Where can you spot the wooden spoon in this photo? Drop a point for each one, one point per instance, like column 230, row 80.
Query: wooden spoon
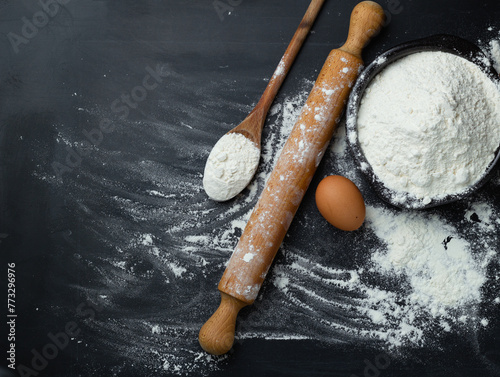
column 252, row 125
column 290, row 179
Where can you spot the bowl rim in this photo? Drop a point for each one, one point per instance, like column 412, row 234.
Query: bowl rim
column 440, row 42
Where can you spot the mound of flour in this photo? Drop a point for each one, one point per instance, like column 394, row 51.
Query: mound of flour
column 429, row 125
column 230, row 166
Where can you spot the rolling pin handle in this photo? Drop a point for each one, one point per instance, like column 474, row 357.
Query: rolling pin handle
column 217, row 334
column 367, row 19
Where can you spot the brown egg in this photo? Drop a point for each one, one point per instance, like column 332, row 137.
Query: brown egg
column 340, row 202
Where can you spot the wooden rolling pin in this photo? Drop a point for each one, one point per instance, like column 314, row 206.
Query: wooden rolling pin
column 289, row 179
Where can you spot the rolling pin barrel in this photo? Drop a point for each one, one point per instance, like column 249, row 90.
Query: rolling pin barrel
column 289, row 179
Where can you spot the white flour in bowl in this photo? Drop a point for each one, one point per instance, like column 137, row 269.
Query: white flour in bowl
column 429, row 125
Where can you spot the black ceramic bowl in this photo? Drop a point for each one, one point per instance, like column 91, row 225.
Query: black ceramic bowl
column 445, row 43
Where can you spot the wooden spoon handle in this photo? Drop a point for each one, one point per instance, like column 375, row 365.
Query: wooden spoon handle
column 292, row 174
column 251, row 127
column 289, row 56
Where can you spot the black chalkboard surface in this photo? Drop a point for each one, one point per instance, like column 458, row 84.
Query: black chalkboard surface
column 111, row 251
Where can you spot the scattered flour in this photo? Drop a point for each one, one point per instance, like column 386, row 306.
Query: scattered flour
column 426, row 275
column 483, row 214
column 429, row 126
column 160, row 232
column 280, row 70
column 438, row 263
column 495, row 54
column 434, row 281
column 230, row 166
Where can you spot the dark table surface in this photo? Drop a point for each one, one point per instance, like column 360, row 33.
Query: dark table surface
column 117, row 249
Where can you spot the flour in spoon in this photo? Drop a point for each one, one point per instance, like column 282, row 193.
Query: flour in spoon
column 230, row 166
column 429, row 125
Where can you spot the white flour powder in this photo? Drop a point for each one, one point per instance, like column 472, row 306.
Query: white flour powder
column 495, row 54
column 230, row 166
column 160, row 229
column 436, row 261
column 429, row 125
